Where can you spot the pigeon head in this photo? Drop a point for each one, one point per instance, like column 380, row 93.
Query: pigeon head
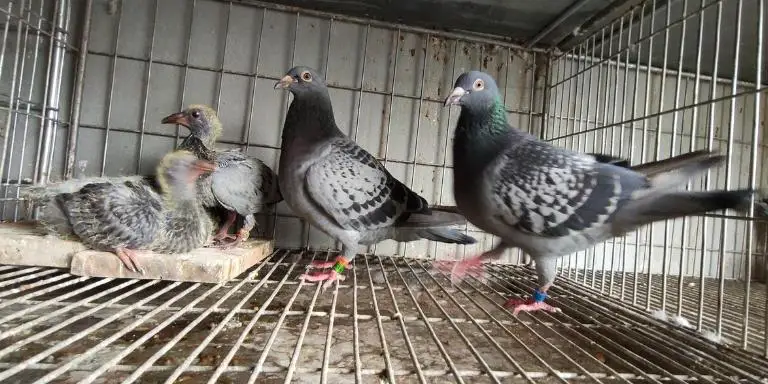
column 302, row 80
column 178, row 171
column 474, row 90
column 200, row 119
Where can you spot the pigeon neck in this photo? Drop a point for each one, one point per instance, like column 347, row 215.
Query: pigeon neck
column 197, row 146
column 481, row 134
column 310, row 117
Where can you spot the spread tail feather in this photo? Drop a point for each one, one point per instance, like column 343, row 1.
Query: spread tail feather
column 678, row 204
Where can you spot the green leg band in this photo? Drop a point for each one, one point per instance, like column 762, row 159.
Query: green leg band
column 339, row 268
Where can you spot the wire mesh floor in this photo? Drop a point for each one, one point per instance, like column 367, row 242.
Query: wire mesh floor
column 414, row 326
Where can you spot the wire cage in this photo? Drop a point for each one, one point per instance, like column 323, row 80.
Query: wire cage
column 84, row 84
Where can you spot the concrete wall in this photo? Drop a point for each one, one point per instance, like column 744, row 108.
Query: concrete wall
column 144, row 63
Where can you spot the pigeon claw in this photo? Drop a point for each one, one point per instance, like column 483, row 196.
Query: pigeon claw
column 328, row 277
column 128, row 258
column 472, row 266
column 529, row 305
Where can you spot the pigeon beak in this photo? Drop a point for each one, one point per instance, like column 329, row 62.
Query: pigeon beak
column 285, row 82
column 455, row 96
column 179, row 118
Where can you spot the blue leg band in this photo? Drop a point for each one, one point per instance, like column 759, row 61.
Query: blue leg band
column 539, row 296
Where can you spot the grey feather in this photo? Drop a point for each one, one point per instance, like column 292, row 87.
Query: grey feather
column 342, row 189
column 551, row 201
column 131, row 212
column 240, row 183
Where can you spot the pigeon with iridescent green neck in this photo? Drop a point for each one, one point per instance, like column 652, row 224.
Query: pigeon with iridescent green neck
column 241, row 184
column 550, row 201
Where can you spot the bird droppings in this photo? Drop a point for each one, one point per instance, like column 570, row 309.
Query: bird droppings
column 712, row 336
column 681, row 321
column 659, row 315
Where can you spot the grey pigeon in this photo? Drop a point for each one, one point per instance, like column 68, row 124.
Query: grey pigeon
column 342, row 189
column 125, row 214
column 550, row 201
column 241, row 184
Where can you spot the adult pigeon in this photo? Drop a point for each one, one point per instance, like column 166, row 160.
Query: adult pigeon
column 550, row 201
column 241, row 184
column 342, row 189
column 125, row 214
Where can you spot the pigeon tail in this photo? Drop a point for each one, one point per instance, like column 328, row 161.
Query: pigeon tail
column 678, row 204
column 446, row 235
column 436, row 217
column 676, row 171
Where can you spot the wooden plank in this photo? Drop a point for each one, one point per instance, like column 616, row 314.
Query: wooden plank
column 24, row 244
column 204, row 265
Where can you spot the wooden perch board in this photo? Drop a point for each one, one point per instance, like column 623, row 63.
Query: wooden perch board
column 22, row 244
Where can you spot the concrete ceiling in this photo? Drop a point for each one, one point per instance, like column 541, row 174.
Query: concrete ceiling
column 520, row 21
column 514, row 20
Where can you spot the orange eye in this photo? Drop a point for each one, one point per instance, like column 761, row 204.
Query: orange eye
column 306, row 76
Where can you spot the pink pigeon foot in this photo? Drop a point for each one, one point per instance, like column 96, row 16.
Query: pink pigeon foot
column 535, row 303
column 128, row 258
column 222, row 233
column 328, row 277
column 459, row 269
column 241, row 236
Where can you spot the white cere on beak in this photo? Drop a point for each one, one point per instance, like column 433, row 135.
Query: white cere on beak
column 455, row 96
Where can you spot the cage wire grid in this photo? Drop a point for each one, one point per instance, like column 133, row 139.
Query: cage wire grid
column 413, row 325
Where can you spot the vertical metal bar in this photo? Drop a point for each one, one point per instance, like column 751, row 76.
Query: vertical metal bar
column 643, row 146
column 112, row 88
column 418, row 126
column 603, row 133
column 756, row 125
column 613, row 135
column 77, row 96
column 384, row 137
column 185, row 74
column 64, row 41
column 11, row 109
column 728, row 167
column 223, row 55
column 20, row 75
column 531, row 94
column 356, row 128
column 708, row 174
column 621, row 149
column 148, row 79
column 659, row 130
column 669, row 232
column 246, row 138
column 632, row 137
column 694, row 129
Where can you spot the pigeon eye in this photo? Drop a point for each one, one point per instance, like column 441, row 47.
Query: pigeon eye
column 306, row 76
column 196, row 114
column 479, row 84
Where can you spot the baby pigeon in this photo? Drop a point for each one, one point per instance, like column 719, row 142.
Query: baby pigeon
column 342, row 189
column 550, row 201
column 125, row 214
column 241, row 184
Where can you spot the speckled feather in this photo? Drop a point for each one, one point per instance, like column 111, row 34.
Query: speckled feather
column 357, row 191
column 240, row 183
column 552, row 201
column 157, row 213
column 342, row 189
